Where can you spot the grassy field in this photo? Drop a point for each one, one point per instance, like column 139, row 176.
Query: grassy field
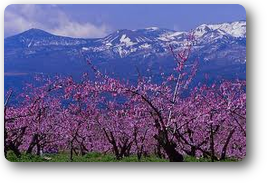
column 93, row 157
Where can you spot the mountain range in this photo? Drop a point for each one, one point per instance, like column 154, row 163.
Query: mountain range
column 220, row 49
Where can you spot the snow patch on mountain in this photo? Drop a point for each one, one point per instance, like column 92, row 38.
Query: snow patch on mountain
column 145, row 46
column 30, row 43
column 152, row 28
column 170, row 36
column 85, row 48
column 235, row 29
column 126, row 40
column 108, row 44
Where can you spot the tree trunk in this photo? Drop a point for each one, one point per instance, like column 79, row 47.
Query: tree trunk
column 223, row 155
column 169, row 147
column 173, row 155
column 212, row 144
column 13, row 148
column 32, row 144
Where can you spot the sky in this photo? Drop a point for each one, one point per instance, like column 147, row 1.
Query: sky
column 91, row 21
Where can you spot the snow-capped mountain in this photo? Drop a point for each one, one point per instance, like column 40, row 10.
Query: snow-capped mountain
column 235, row 29
column 36, row 38
column 218, row 46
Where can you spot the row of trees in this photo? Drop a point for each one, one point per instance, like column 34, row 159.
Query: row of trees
column 109, row 115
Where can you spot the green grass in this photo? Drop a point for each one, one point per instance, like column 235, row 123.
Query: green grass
column 194, row 159
column 94, row 157
column 90, row 157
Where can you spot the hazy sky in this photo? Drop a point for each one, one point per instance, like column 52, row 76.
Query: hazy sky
column 100, row 20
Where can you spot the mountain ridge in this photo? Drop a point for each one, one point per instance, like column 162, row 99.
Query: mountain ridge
column 220, row 48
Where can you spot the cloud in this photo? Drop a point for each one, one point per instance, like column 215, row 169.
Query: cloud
column 51, row 18
column 81, row 30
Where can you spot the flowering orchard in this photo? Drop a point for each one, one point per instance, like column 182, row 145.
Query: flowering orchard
column 108, row 115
